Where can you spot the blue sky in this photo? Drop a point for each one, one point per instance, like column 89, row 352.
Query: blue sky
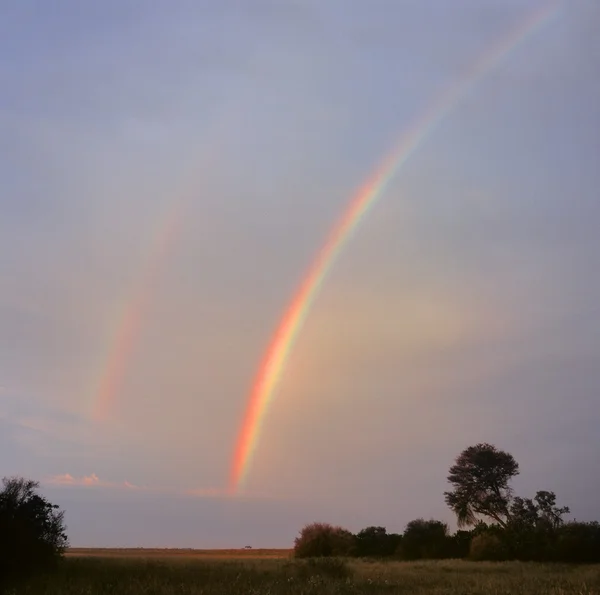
column 464, row 309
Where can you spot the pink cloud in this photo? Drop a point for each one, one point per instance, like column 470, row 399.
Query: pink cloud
column 68, row 480
column 92, row 480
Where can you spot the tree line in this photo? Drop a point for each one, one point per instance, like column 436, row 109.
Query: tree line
column 493, row 523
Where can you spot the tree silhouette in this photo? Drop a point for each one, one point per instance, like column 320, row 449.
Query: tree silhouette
column 32, row 530
column 480, row 479
column 424, row 539
column 376, row 542
column 539, row 513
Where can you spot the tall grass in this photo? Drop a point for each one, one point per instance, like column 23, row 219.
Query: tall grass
column 90, row 576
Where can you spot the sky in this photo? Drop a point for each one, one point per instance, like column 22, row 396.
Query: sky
column 168, row 172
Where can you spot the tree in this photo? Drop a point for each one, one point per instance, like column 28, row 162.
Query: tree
column 319, row 540
column 480, row 478
column 539, row 513
column 32, row 530
column 424, row 539
column 548, row 512
column 533, row 527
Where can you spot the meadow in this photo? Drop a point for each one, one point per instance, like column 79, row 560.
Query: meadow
column 220, row 572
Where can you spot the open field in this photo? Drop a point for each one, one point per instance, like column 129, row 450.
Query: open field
column 187, row 553
column 214, row 574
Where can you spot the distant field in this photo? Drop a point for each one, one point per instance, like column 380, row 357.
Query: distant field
column 227, row 572
column 158, row 553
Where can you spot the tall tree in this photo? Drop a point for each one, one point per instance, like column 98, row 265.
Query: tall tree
column 480, row 478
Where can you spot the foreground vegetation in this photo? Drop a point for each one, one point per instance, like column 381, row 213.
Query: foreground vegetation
column 129, row 576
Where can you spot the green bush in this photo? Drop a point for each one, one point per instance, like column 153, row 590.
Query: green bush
column 319, row 540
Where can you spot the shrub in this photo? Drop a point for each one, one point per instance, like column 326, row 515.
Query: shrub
column 459, row 544
column 578, row 542
column 319, row 540
column 376, row 542
column 32, row 531
column 487, row 546
column 424, row 539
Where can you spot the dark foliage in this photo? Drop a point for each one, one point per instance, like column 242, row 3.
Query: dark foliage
column 424, row 540
column 534, row 526
column 376, row 542
column 32, row 531
column 480, row 478
column 458, row 545
column 577, row 542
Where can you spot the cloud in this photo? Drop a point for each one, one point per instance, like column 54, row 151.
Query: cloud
column 67, row 479
column 93, row 481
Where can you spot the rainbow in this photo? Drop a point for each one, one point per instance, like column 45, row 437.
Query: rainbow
column 128, row 325
column 274, row 360
column 130, row 321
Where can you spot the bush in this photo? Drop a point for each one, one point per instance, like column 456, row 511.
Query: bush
column 487, row 546
column 376, row 542
column 424, row 540
column 32, row 531
column 459, row 544
column 578, row 542
column 319, row 540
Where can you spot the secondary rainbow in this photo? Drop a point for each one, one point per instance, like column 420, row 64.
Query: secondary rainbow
column 134, row 311
column 130, row 321
column 278, row 351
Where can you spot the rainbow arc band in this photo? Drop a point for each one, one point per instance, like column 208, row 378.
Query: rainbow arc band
column 273, row 363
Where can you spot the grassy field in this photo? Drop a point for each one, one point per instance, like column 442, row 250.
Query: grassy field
column 186, row 553
column 273, row 572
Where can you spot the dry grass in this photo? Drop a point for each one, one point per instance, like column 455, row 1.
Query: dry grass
column 213, row 573
column 185, row 553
